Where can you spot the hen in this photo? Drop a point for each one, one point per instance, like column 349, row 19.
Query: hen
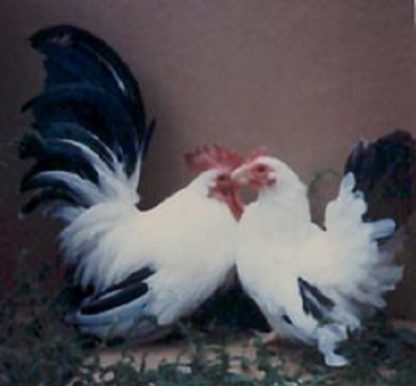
column 315, row 284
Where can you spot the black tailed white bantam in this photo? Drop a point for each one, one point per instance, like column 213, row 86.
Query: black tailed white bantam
column 315, row 284
column 144, row 269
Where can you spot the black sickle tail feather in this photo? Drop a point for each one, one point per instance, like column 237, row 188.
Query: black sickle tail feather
column 385, row 171
column 89, row 120
column 53, row 154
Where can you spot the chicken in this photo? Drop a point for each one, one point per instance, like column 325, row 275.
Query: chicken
column 145, row 269
column 316, row 284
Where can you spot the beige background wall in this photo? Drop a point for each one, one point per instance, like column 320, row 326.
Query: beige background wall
column 307, row 78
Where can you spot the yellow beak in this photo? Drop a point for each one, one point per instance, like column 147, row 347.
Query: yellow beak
column 241, row 175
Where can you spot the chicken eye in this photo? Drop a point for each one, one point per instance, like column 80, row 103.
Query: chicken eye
column 261, row 168
column 222, row 178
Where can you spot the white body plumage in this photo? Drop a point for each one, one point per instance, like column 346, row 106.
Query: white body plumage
column 345, row 271
column 188, row 240
column 91, row 134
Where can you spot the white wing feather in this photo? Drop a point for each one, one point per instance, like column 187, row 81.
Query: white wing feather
column 191, row 257
column 346, row 259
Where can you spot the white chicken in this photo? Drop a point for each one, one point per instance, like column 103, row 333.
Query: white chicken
column 145, row 269
column 315, row 284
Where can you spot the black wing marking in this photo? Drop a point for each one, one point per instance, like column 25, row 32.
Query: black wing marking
column 120, row 294
column 115, row 299
column 314, row 302
column 138, row 276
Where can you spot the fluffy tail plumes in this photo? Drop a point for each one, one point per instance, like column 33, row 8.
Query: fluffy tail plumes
column 385, row 171
column 377, row 196
column 90, row 127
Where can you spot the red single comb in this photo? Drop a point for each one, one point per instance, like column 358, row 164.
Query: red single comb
column 212, row 157
column 258, row 152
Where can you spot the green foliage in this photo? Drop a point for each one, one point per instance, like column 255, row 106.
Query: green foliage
column 37, row 348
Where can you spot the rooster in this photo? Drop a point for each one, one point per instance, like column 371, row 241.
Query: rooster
column 315, row 284
column 144, row 269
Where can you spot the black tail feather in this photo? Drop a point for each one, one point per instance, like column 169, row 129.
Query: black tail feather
column 74, row 132
column 41, row 182
column 90, row 99
column 148, row 138
column 67, row 64
column 107, row 61
column 62, row 156
column 92, row 108
column 385, row 171
column 46, row 196
column 31, row 145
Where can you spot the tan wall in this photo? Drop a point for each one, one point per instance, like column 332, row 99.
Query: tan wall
column 306, row 77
